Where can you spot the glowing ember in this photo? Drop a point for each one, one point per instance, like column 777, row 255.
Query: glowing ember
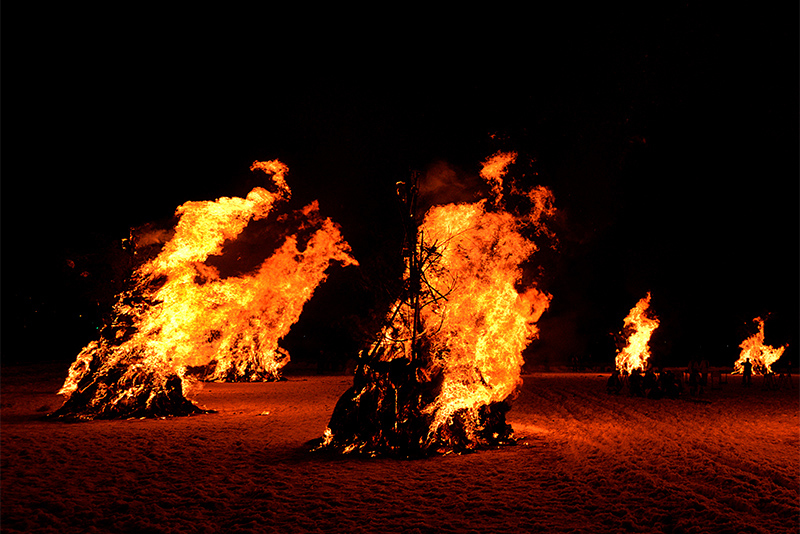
column 761, row 356
column 181, row 313
column 439, row 374
column 639, row 326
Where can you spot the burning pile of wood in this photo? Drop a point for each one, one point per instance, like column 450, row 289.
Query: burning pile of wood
column 201, row 308
column 759, row 356
column 387, row 411
column 121, row 390
column 633, row 349
column 439, row 375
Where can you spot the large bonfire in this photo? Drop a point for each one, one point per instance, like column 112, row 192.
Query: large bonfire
column 761, row 356
column 438, row 376
column 639, row 325
column 194, row 311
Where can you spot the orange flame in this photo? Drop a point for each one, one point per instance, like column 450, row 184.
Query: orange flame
column 477, row 336
column 494, row 169
column 637, row 351
column 761, row 356
column 473, row 321
column 182, row 313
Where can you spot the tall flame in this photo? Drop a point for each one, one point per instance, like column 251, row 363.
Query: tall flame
column 761, row 356
column 461, row 327
column 640, row 326
column 477, row 336
column 181, row 312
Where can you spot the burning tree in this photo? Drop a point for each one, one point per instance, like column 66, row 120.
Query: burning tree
column 439, row 374
column 761, row 356
column 191, row 310
column 639, row 326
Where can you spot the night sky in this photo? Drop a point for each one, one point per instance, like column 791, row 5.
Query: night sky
column 669, row 138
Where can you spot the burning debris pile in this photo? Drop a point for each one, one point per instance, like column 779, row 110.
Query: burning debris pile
column 197, row 309
column 760, row 357
column 439, row 375
column 639, row 326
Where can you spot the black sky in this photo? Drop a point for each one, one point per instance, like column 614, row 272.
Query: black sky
column 669, row 137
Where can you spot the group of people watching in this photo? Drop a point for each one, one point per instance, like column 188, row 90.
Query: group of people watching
column 667, row 384
column 664, row 384
column 698, row 376
column 783, row 380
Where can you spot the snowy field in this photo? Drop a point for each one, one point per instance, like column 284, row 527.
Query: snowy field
column 589, row 462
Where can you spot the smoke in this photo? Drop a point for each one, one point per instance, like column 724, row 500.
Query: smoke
column 148, row 234
column 443, row 183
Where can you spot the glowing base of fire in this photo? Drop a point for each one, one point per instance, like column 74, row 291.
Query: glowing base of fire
column 266, row 369
column 113, row 395
column 384, row 414
column 105, row 388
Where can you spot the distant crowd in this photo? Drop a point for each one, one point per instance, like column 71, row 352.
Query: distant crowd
column 664, row 384
column 667, row 384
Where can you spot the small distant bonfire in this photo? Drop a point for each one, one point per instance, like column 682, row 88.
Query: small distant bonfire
column 439, row 376
column 193, row 311
column 639, row 326
column 761, row 356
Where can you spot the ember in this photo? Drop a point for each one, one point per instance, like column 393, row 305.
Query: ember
column 761, row 356
column 188, row 313
column 439, row 375
column 639, row 326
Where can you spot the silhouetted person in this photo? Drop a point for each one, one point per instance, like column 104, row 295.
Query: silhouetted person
column 694, row 381
column 635, row 383
column 785, row 378
column 670, row 384
column 769, row 380
column 747, row 372
column 614, row 384
column 650, row 381
column 703, row 374
column 655, row 392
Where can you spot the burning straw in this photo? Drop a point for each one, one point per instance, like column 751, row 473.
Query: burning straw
column 761, row 356
column 639, row 326
column 189, row 311
column 439, row 375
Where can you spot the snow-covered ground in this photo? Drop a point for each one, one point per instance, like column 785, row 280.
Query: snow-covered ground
column 589, row 462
